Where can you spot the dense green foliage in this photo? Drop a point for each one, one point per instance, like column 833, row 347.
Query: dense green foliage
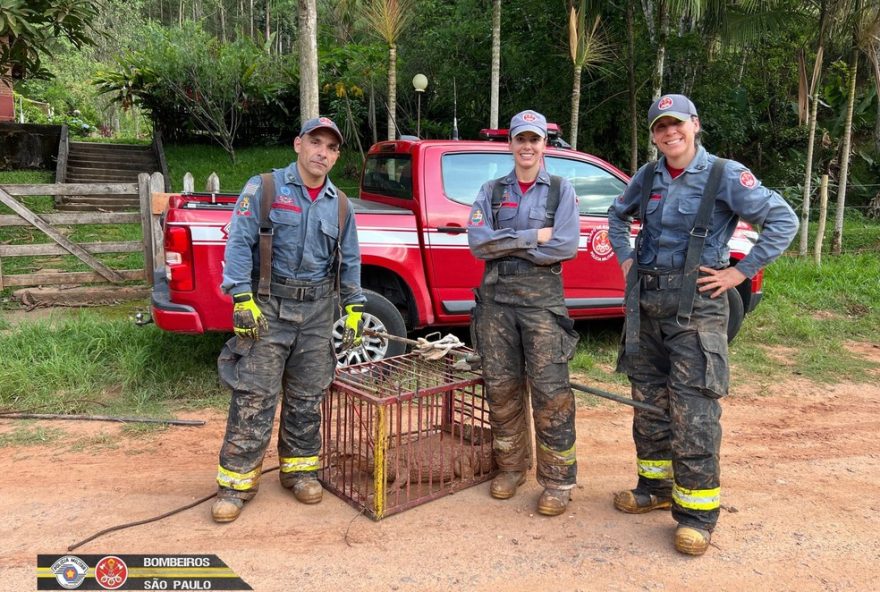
column 738, row 60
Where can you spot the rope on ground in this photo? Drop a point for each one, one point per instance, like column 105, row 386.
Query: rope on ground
column 154, row 519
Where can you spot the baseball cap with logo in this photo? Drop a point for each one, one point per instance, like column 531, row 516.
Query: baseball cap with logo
column 677, row 106
column 320, row 123
column 528, row 121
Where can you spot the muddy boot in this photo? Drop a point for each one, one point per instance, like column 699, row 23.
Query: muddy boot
column 638, row 502
column 306, row 488
column 553, row 501
column 505, row 483
column 226, row 507
column 691, row 541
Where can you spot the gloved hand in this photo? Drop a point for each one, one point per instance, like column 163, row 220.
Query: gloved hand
column 247, row 319
column 354, row 326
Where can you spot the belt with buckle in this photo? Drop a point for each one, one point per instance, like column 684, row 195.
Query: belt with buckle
column 299, row 290
column 517, row 266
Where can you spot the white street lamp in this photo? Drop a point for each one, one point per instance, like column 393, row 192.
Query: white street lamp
column 420, row 83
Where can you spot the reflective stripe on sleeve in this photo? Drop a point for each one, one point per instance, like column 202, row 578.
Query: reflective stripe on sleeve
column 655, row 469
column 237, row 481
column 294, row 464
column 697, row 499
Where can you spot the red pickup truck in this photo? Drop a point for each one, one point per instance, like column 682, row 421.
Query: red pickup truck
column 417, row 270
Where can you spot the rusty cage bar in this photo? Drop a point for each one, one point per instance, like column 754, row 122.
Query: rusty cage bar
column 403, row 431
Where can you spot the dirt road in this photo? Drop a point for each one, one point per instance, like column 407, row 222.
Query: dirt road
column 801, row 510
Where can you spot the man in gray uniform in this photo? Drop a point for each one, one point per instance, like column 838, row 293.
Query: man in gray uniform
column 283, row 341
column 524, row 225
column 675, row 345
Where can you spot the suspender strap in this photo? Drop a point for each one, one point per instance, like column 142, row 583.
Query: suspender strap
column 343, row 212
column 633, row 322
column 266, row 232
column 553, row 196
column 702, row 225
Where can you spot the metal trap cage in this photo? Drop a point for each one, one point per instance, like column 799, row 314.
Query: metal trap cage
column 402, row 431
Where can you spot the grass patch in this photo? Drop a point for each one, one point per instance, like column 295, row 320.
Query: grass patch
column 31, row 435
column 202, row 159
column 59, row 366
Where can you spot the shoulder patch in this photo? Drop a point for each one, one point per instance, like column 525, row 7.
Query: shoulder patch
column 477, row 218
column 250, row 188
column 244, row 206
column 747, row 179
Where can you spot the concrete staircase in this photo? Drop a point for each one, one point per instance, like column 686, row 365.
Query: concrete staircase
column 90, row 162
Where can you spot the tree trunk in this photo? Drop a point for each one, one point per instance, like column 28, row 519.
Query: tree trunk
column 837, row 237
column 631, row 83
column 308, row 59
column 392, row 91
column 496, row 64
column 874, row 57
column 575, row 107
column 372, row 114
column 252, row 19
column 268, row 24
column 222, row 10
column 811, row 142
column 659, row 62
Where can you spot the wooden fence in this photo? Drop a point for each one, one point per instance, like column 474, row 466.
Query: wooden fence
column 49, row 225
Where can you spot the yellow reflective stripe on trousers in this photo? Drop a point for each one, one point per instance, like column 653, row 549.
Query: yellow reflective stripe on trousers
column 293, row 464
column 655, row 469
column 566, row 457
column 237, row 481
column 697, row 499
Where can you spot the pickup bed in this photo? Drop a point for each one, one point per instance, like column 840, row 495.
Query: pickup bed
column 415, row 196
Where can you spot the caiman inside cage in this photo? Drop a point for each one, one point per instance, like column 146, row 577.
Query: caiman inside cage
column 402, row 431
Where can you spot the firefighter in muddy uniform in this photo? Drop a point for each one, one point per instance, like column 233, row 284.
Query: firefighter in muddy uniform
column 283, row 342
column 674, row 347
column 522, row 329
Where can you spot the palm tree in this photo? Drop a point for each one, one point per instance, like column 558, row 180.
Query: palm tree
column 307, row 12
column 586, row 49
column 865, row 33
column 496, row 64
column 388, row 18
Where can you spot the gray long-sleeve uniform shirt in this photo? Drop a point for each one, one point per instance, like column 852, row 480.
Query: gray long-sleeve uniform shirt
column 672, row 211
column 304, row 240
column 514, row 231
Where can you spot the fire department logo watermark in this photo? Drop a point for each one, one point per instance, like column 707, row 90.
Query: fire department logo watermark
column 136, row 572
column 70, row 571
column 600, row 245
column 111, row 572
column 665, row 103
column 747, row 180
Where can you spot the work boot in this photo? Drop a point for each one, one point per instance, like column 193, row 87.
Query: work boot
column 553, row 501
column 306, row 488
column 504, row 484
column 691, row 541
column 226, row 508
column 638, row 502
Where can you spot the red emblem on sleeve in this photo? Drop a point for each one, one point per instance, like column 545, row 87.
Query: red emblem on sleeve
column 747, row 179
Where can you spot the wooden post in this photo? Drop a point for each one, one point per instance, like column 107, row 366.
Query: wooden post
column 146, row 224
column 213, row 184
column 823, row 214
column 157, row 185
column 189, row 185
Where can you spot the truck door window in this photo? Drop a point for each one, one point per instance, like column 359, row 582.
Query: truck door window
column 595, row 187
column 464, row 174
column 388, row 175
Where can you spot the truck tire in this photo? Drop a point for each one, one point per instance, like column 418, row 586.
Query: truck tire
column 737, row 313
column 381, row 316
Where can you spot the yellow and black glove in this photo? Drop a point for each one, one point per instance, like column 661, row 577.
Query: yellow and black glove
column 247, row 319
column 354, row 326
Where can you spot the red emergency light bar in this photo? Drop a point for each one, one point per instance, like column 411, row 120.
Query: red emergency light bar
column 554, row 135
